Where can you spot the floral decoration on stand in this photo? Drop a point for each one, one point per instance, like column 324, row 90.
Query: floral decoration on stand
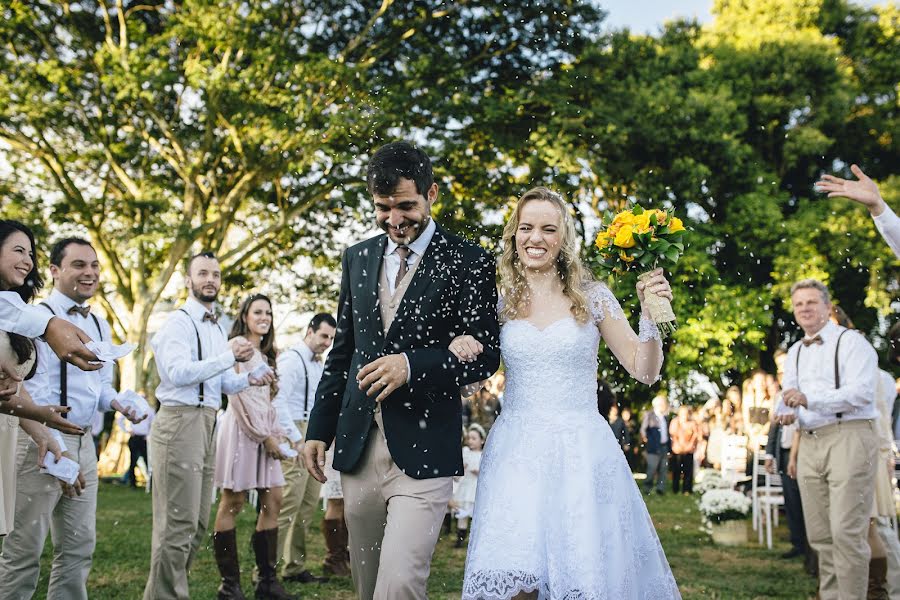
column 641, row 240
column 718, row 505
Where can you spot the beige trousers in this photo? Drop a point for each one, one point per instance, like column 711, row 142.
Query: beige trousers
column 298, row 507
column 836, row 473
column 393, row 521
column 182, row 460
column 41, row 507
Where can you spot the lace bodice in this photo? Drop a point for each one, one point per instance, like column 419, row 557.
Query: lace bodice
column 563, row 354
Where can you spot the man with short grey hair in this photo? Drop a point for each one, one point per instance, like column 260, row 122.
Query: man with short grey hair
column 829, row 386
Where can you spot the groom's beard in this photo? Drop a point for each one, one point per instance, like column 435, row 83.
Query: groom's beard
column 206, row 295
column 411, row 230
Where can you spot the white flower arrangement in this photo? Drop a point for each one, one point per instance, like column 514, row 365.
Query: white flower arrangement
column 710, row 479
column 719, row 505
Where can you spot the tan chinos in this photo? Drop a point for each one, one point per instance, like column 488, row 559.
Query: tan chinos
column 836, row 474
column 42, row 507
column 298, row 507
column 182, row 461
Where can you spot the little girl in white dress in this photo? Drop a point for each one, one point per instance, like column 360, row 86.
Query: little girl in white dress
column 464, row 495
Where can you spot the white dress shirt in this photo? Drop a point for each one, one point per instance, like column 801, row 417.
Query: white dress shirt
column 86, row 391
column 858, row 368
column 295, row 390
column 417, row 249
column 24, row 319
column 181, row 371
column 888, row 224
column 663, row 428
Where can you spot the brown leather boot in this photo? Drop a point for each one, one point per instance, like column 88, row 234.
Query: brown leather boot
column 334, row 557
column 344, row 538
column 225, row 550
column 265, row 546
column 878, row 579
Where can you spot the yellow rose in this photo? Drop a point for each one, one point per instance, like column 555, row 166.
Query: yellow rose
column 625, row 238
column 675, row 225
column 642, row 223
column 625, row 257
column 661, row 217
column 624, row 218
column 602, row 240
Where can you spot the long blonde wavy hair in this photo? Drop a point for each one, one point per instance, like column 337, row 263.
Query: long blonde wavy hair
column 514, row 287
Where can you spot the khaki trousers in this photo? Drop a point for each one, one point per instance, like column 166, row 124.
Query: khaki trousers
column 298, row 507
column 836, row 473
column 182, row 460
column 41, row 507
column 393, row 521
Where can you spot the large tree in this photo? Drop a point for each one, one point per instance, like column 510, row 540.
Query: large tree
column 161, row 128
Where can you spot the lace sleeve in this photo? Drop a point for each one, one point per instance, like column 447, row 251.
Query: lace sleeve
column 602, row 303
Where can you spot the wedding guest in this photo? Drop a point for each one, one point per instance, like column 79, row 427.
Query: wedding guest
column 634, row 434
column 485, row 408
column 865, row 192
column 300, row 370
column 655, row 435
column 248, row 458
column 195, row 364
column 685, row 436
column 137, row 444
column 19, row 275
column 606, row 398
column 464, row 494
column 829, row 379
column 619, row 429
column 43, row 505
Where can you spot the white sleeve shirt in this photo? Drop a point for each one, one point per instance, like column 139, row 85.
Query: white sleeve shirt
column 888, row 224
column 87, row 392
column 181, row 371
column 24, row 319
column 813, row 375
column 296, row 392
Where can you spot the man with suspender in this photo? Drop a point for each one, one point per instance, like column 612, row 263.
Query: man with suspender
column 195, row 362
column 299, row 372
column 42, row 503
column 829, row 379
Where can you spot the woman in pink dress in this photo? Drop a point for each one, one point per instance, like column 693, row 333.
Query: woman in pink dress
column 248, row 458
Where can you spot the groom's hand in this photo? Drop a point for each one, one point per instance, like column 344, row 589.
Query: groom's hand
column 383, row 375
column 314, row 459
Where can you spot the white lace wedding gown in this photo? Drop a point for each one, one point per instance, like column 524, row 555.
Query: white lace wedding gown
column 557, row 509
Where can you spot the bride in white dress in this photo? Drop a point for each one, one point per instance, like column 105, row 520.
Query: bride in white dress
column 558, row 515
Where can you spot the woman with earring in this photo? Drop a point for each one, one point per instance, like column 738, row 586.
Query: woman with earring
column 248, row 458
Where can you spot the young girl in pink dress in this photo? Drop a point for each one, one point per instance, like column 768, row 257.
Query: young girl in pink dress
column 248, row 458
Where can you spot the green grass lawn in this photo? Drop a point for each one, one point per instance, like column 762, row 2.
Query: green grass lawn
column 702, row 569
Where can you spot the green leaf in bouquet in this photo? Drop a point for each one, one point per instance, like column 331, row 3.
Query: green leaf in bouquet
column 637, row 210
column 647, row 259
column 672, row 255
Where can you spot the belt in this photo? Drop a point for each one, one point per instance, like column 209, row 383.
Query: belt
column 837, row 427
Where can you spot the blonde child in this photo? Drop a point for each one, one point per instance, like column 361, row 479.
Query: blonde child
column 464, row 496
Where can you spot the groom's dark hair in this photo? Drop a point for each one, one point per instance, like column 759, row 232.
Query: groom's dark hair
column 398, row 160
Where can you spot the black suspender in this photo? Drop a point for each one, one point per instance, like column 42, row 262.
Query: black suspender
column 837, row 373
column 199, row 350
column 63, row 365
column 305, row 384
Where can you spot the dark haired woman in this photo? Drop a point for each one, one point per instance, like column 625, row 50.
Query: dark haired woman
column 248, row 458
column 19, row 274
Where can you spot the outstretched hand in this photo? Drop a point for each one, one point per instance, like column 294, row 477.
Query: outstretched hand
column 864, row 191
column 68, row 342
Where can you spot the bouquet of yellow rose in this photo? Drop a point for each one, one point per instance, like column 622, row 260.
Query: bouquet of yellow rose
column 641, row 240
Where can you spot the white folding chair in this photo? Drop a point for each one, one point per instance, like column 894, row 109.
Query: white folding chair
column 770, row 497
column 759, row 466
column 734, row 459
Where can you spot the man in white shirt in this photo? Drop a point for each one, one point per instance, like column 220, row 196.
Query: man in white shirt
column 829, row 379
column 43, row 504
column 866, row 193
column 65, row 339
column 195, row 362
column 299, row 372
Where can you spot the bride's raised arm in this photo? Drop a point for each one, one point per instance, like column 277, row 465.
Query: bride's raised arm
column 640, row 353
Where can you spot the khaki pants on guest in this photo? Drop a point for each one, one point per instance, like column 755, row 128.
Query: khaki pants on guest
column 298, row 507
column 393, row 521
column 836, row 473
column 41, row 507
column 182, row 462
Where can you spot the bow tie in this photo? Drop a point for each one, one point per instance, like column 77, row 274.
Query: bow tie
column 211, row 316
column 84, row 311
column 813, row 340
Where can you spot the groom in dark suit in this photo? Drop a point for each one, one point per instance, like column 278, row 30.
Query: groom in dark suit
column 389, row 398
